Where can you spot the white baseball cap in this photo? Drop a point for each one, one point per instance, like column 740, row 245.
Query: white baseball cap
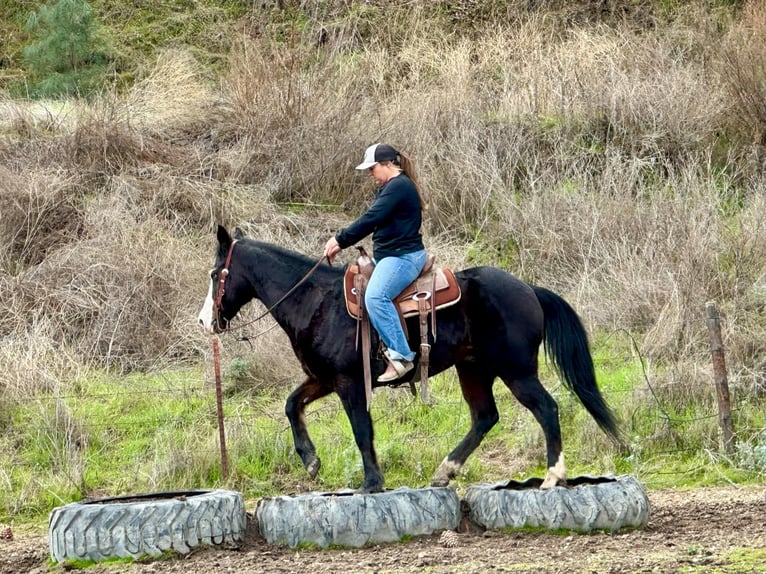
column 377, row 153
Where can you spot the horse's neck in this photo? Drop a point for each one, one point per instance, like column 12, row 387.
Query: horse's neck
column 276, row 272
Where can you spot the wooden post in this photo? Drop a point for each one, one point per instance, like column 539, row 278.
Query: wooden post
column 719, row 374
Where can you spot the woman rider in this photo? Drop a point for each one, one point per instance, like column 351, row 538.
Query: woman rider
column 394, row 219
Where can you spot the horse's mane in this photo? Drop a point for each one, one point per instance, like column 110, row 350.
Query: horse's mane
column 281, row 253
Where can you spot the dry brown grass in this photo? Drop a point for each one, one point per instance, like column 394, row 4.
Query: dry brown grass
column 39, row 215
column 588, row 158
column 743, row 67
column 172, row 100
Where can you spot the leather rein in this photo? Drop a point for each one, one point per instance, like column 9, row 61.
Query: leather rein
column 218, row 303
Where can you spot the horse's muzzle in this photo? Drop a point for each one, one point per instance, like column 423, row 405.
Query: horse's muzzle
column 213, row 327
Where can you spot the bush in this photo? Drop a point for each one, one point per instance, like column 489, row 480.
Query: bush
column 70, row 54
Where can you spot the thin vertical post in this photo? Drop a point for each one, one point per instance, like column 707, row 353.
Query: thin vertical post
column 719, row 374
column 219, row 405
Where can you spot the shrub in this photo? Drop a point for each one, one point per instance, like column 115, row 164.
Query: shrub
column 70, row 53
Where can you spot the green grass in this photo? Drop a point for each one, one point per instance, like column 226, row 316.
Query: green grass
column 107, row 435
column 744, row 560
column 74, row 564
column 138, row 31
column 738, row 561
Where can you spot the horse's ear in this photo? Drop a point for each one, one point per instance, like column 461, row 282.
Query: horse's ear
column 238, row 234
column 223, row 236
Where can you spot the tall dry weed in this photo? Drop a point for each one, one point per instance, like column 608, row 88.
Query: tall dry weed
column 39, row 214
column 173, row 99
column 287, row 123
column 171, row 104
column 116, row 296
column 586, row 158
column 39, row 362
column 743, row 68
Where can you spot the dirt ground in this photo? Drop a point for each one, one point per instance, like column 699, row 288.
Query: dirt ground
column 701, row 530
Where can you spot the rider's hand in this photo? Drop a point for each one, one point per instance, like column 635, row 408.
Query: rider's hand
column 331, row 249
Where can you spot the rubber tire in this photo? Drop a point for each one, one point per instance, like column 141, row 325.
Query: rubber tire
column 145, row 524
column 350, row 519
column 586, row 504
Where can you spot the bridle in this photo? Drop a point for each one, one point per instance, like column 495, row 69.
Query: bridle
column 224, row 273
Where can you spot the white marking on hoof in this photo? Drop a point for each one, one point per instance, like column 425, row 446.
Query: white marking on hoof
column 555, row 474
column 447, row 469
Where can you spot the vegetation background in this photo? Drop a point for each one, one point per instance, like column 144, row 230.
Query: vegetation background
column 611, row 151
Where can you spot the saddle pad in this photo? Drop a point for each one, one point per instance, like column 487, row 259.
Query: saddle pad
column 447, row 291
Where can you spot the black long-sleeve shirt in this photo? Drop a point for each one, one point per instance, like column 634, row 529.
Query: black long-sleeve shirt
column 394, row 219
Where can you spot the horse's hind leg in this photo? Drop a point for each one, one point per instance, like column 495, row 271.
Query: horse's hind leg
column 476, row 386
column 295, row 408
column 531, row 393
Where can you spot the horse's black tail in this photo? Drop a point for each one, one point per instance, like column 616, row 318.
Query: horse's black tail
column 566, row 345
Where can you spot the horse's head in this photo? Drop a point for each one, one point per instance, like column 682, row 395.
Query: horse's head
column 224, row 297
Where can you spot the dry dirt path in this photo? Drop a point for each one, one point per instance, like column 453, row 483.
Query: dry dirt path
column 701, row 530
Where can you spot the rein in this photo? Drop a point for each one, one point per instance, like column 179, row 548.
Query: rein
column 217, row 306
column 221, row 287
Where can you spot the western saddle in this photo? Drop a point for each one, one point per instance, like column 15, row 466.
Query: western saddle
column 435, row 288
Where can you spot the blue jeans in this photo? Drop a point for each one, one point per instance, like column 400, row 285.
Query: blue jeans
column 391, row 276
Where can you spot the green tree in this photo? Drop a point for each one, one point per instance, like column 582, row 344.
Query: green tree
column 70, row 51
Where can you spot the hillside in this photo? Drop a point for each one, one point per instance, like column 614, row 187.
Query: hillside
column 612, row 152
column 518, row 117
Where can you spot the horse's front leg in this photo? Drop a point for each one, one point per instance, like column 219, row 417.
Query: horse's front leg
column 295, row 408
column 351, row 393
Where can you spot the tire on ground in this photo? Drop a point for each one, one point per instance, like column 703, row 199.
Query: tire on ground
column 145, row 524
column 586, row 504
column 348, row 519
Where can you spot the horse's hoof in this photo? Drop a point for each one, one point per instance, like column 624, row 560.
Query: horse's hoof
column 313, row 467
column 556, row 475
column 553, row 482
column 371, row 489
column 447, row 470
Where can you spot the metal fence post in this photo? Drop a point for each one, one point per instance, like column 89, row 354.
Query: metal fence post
column 219, row 405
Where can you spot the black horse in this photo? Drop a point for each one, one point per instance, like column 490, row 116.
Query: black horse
column 494, row 331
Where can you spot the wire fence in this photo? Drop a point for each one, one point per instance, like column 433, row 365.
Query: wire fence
column 193, row 401
column 201, row 394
